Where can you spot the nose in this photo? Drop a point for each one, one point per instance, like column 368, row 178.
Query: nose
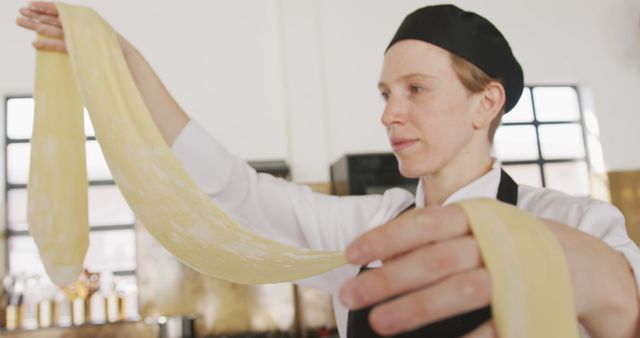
column 395, row 112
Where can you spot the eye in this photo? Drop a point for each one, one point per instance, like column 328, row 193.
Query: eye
column 415, row 89
column 384, row 95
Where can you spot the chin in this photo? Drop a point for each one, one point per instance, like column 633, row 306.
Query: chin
column 409, row 170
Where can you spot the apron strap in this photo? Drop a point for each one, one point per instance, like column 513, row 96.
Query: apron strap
column 508, row 189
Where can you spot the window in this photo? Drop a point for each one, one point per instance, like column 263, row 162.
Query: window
column 112, row 238
column 548, row 140
column 542, row 141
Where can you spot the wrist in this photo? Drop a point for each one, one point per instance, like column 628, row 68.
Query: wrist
column 125, row 46
column 616, row 309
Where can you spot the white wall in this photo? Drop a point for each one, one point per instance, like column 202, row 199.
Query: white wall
column 221, row 60
column 296, row 79
column 594, row 44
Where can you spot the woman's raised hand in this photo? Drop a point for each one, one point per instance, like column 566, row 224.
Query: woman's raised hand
column 42, row 17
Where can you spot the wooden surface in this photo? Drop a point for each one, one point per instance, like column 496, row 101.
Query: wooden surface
column 625, row 194
column 324, row 188
column 112, row 330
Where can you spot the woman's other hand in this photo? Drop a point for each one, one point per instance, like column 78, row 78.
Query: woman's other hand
column 433, row 270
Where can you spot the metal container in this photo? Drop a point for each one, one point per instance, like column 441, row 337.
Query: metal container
column 176, row 327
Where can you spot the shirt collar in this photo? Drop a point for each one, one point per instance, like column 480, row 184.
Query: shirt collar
column 484, row 186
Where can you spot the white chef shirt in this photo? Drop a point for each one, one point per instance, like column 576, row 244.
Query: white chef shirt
column 293, row 214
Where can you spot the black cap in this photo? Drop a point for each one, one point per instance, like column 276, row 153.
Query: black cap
column 469, row 36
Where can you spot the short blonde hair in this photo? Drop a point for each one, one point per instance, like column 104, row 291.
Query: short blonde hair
column 476, row 80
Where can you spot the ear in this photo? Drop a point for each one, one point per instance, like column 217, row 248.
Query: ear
column 492, row 100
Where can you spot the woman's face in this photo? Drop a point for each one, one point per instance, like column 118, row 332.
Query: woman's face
column 428, row 111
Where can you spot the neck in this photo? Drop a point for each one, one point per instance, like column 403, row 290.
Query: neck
column 468, row 166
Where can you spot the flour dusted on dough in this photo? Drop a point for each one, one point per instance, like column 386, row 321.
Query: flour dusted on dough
column 532, row 294
column 156, row 186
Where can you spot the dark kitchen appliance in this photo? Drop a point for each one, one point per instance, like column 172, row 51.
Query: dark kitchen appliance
column 363, row 174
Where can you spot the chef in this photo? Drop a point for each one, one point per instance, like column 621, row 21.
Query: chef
column 448, row 77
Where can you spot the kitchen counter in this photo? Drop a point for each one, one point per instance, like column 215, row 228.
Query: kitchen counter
column 137, row 329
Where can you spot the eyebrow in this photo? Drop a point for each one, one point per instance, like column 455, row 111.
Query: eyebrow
column 382, row 84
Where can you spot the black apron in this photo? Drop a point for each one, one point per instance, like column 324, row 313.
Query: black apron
column 358, row 322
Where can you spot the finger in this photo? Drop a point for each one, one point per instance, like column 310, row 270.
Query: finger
column 50, row 30
column 414, row 228
column 50, row 45
column 419, row 268
column 44, row 18
column 486, row 330
column 42, row 28
column 27, row 23
column 453, row 296
column 44, row 7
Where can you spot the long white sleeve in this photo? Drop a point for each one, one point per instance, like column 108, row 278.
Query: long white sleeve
column 283, row 211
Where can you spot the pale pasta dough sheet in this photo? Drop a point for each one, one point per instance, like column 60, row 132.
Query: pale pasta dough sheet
column 57, row 191
column 532, row 294
column 157, row 188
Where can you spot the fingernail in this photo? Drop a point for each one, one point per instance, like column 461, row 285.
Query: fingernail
column 350, row 295
column 358, row 254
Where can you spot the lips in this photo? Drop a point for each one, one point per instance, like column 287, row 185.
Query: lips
column 399, row 144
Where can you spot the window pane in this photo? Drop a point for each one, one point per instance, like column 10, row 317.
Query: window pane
column 88, row 127
column 572, row 178
column 17, row 209
column 523, row 111
column 18, row 159
column 126, row 281
column 561, row 141
column 528, row 174
column 107, row 206
column 595, row 154
column 23, row 256
column 111, row 250
column 513, row 143
column 556, row 104
column 19, row 118
column 591, row 123
column 108, row 250
column 96, row 165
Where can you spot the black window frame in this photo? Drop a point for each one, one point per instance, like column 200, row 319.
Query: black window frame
column 12, row 186
column 541, row 161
